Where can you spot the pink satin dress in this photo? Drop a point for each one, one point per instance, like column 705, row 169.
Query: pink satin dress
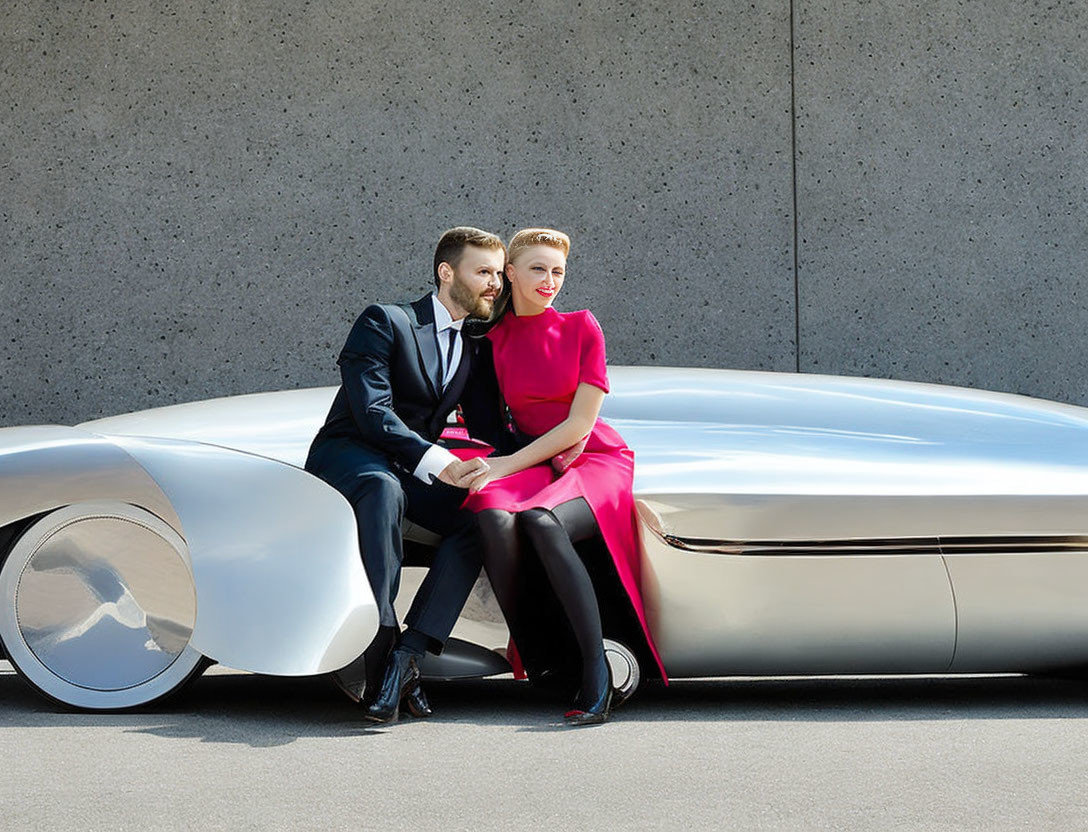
column 540, row 360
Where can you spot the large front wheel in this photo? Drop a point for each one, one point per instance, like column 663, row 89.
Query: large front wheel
column 97, row 605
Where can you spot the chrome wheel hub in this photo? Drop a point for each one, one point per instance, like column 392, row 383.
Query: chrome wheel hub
column 106, row 602
column 98, row 606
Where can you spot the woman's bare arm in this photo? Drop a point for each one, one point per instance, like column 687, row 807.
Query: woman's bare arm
column 584, row 409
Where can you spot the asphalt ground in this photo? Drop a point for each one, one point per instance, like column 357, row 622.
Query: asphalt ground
column 241, row 751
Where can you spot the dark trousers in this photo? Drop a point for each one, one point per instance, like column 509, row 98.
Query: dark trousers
column 382, row 496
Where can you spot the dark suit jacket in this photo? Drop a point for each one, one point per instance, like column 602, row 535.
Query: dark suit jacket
column 390, row 398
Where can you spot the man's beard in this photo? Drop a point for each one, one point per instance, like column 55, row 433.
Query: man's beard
column 475, row 306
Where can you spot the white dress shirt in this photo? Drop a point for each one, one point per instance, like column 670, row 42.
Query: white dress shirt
column 437, row 458
column 445, row 328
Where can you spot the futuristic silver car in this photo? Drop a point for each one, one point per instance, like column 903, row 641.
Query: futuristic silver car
column 791, row 524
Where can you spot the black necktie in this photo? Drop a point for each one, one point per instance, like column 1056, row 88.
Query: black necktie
column 449, row 354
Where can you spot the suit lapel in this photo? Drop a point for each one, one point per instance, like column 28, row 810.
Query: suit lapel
column 430, row 364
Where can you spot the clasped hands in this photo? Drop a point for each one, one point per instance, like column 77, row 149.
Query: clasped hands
column 474, row 473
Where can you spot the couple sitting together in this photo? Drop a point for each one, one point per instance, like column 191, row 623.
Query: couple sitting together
column 531, row 388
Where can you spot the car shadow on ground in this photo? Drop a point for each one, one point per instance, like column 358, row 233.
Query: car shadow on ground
column 263, row 711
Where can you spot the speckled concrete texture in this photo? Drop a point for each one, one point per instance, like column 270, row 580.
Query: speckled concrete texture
column 941, row 153
column 197, row 198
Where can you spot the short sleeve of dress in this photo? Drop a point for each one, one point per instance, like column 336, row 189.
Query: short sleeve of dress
column 592, row 360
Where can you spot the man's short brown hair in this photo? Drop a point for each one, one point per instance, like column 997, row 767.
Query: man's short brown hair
column 452, row 245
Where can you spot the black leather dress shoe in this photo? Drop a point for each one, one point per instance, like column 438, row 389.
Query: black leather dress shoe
column 401, row 676
column 351, row 680
column 360, row 680
column 417, row 704
column 353, row 689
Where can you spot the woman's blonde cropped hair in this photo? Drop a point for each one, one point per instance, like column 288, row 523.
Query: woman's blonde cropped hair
column 528, row 237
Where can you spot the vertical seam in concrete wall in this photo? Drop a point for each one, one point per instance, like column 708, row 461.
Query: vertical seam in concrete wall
column 793, row 166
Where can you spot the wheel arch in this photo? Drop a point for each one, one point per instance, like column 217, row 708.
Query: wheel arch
column 274, row 551
column 9, row 535
column 48, row 467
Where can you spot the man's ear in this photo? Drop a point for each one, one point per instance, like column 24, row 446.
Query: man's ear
column 445, row 272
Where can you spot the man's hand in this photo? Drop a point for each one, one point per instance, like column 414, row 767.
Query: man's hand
column 462, row 472
column 499, row 467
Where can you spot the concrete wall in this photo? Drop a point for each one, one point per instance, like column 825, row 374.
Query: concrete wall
column 198, row 198
column 942, row 183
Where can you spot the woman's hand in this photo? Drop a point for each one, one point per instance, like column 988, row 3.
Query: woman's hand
column 463, row 471
column 497, row 467
column 579, row 422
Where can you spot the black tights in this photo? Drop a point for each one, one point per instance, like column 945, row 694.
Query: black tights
column 551, row 535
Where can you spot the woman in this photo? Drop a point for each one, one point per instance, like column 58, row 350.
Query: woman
column 551, row 372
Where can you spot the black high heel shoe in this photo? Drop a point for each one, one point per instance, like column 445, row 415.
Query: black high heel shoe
column 593, row 714
column 599, row 710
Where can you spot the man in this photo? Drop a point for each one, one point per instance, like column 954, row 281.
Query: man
column 404, row 368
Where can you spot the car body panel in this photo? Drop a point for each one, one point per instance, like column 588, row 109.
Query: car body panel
column 1022, row 611
column 279, row 425
column 43, row 467
column 734, row 432
column 280, row 584
column 791, row 523
column 716, row 615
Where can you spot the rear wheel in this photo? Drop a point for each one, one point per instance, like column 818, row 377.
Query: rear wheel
column 625, row 670
column 97, row 605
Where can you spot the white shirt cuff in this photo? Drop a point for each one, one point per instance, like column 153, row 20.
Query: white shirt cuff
column 434, row 462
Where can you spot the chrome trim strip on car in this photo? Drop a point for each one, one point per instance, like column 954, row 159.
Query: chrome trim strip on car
column 963, row 544
column 1020, row 544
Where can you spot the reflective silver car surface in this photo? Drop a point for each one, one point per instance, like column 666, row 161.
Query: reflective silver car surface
column 790, row 524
